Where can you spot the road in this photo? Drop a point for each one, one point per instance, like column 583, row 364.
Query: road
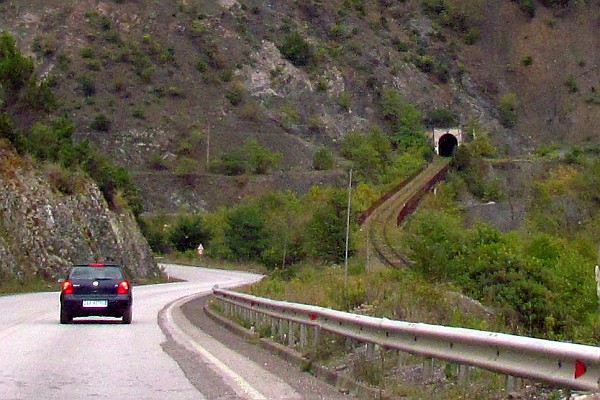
column 100, row 358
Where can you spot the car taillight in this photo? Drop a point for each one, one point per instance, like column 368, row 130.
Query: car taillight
column 67, row 287
column 123, row 287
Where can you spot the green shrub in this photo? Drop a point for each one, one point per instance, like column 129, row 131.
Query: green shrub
column 250, row 158
column 297, row 50
column 344, row 100
column 87, row 86
column 246, row 235
column 101, row 123
column 15, row 69
column 370, row 153
column 185, row 168
column 424, row 63
column 40, row 96
column 63, row 180
column 527, row 6
column 472, row 36
column 188, row 232
column 406, row 119
column 323, row 159
column 526, row 60
column 87, row 52
column 325, row 233
column 508, row 109
column 571, row 84
column 434, row 8
column 260, row 158
column 201, row 65
column 441, row 118
column 400, row 45
column 232, row 163
column 235, row 94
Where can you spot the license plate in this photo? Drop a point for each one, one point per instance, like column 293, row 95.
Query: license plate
column 95, row 303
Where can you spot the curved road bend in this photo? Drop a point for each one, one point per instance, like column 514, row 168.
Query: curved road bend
column 100, row 358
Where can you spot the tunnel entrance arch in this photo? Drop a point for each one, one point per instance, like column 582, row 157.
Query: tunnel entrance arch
column 446, row 145
column 446, row 140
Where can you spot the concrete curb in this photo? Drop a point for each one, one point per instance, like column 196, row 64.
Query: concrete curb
column 299, row 361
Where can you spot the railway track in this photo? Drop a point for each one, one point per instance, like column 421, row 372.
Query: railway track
column 385, row 219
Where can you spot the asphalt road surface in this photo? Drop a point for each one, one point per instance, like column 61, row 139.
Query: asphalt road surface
column 161, row 355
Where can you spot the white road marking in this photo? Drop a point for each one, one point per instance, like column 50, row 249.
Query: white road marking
column 237, row 383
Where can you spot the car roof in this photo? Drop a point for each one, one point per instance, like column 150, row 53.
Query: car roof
column 97, row 265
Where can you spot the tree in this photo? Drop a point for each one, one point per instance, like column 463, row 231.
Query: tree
column 246, row 234
column 15, row 69
column 406, row 119
column 188, row 232
column 325, row 233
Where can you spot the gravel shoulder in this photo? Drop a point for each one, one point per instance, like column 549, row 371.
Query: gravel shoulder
column 304, row 383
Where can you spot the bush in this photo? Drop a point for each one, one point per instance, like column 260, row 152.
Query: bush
column 246, row 235
column 441, row 118
column 15, row 69
column 87, row 86
column 185, row 168
column 101, row 123
column 188, row 232
column 508, row 110
column 87, row 52
column 527, row 60
column 323, row 159
column 251, row 157
column 571, row 84
column 472, row 36
column 63, row 180
column 528, row 7
column 235, row 94
column 297, row 50
column 325, row 233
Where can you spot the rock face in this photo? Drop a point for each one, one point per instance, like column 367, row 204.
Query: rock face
column 44, row 231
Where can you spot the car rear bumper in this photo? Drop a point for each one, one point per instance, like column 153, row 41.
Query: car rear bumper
column 115, row 305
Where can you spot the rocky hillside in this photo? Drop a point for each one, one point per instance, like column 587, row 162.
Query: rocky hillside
column 167, row 88
column 43, row 231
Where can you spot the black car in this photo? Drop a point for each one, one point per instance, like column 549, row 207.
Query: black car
column 96, row 290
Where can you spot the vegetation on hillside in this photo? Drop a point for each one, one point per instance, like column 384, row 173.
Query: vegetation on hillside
column 51, row 142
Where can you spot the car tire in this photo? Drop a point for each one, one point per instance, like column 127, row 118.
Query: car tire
column 65, row 318
column 127, row 316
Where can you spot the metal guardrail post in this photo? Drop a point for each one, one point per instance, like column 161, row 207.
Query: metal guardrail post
column 511, row 383
column 428, row 369
column 291, row 338
column 316, row 333
column 401, row 358
column 273, row 327
column 370, row 351
column 464, row 372
column 303, row 338
column 281, row 330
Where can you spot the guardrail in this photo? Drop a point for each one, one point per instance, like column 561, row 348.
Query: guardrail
column 565, row 365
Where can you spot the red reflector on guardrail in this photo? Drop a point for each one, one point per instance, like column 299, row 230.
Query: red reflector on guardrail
column 313, row 317
column 580, row 369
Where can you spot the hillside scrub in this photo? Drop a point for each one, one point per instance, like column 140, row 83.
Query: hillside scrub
column 51, row 141
column 281, row 229
column 540, row 278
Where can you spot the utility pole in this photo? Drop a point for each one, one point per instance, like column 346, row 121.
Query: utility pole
column 207, row 146
column 597, row 275
column 347, row 238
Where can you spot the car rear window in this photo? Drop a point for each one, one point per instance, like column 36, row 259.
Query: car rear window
column 87, row 272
